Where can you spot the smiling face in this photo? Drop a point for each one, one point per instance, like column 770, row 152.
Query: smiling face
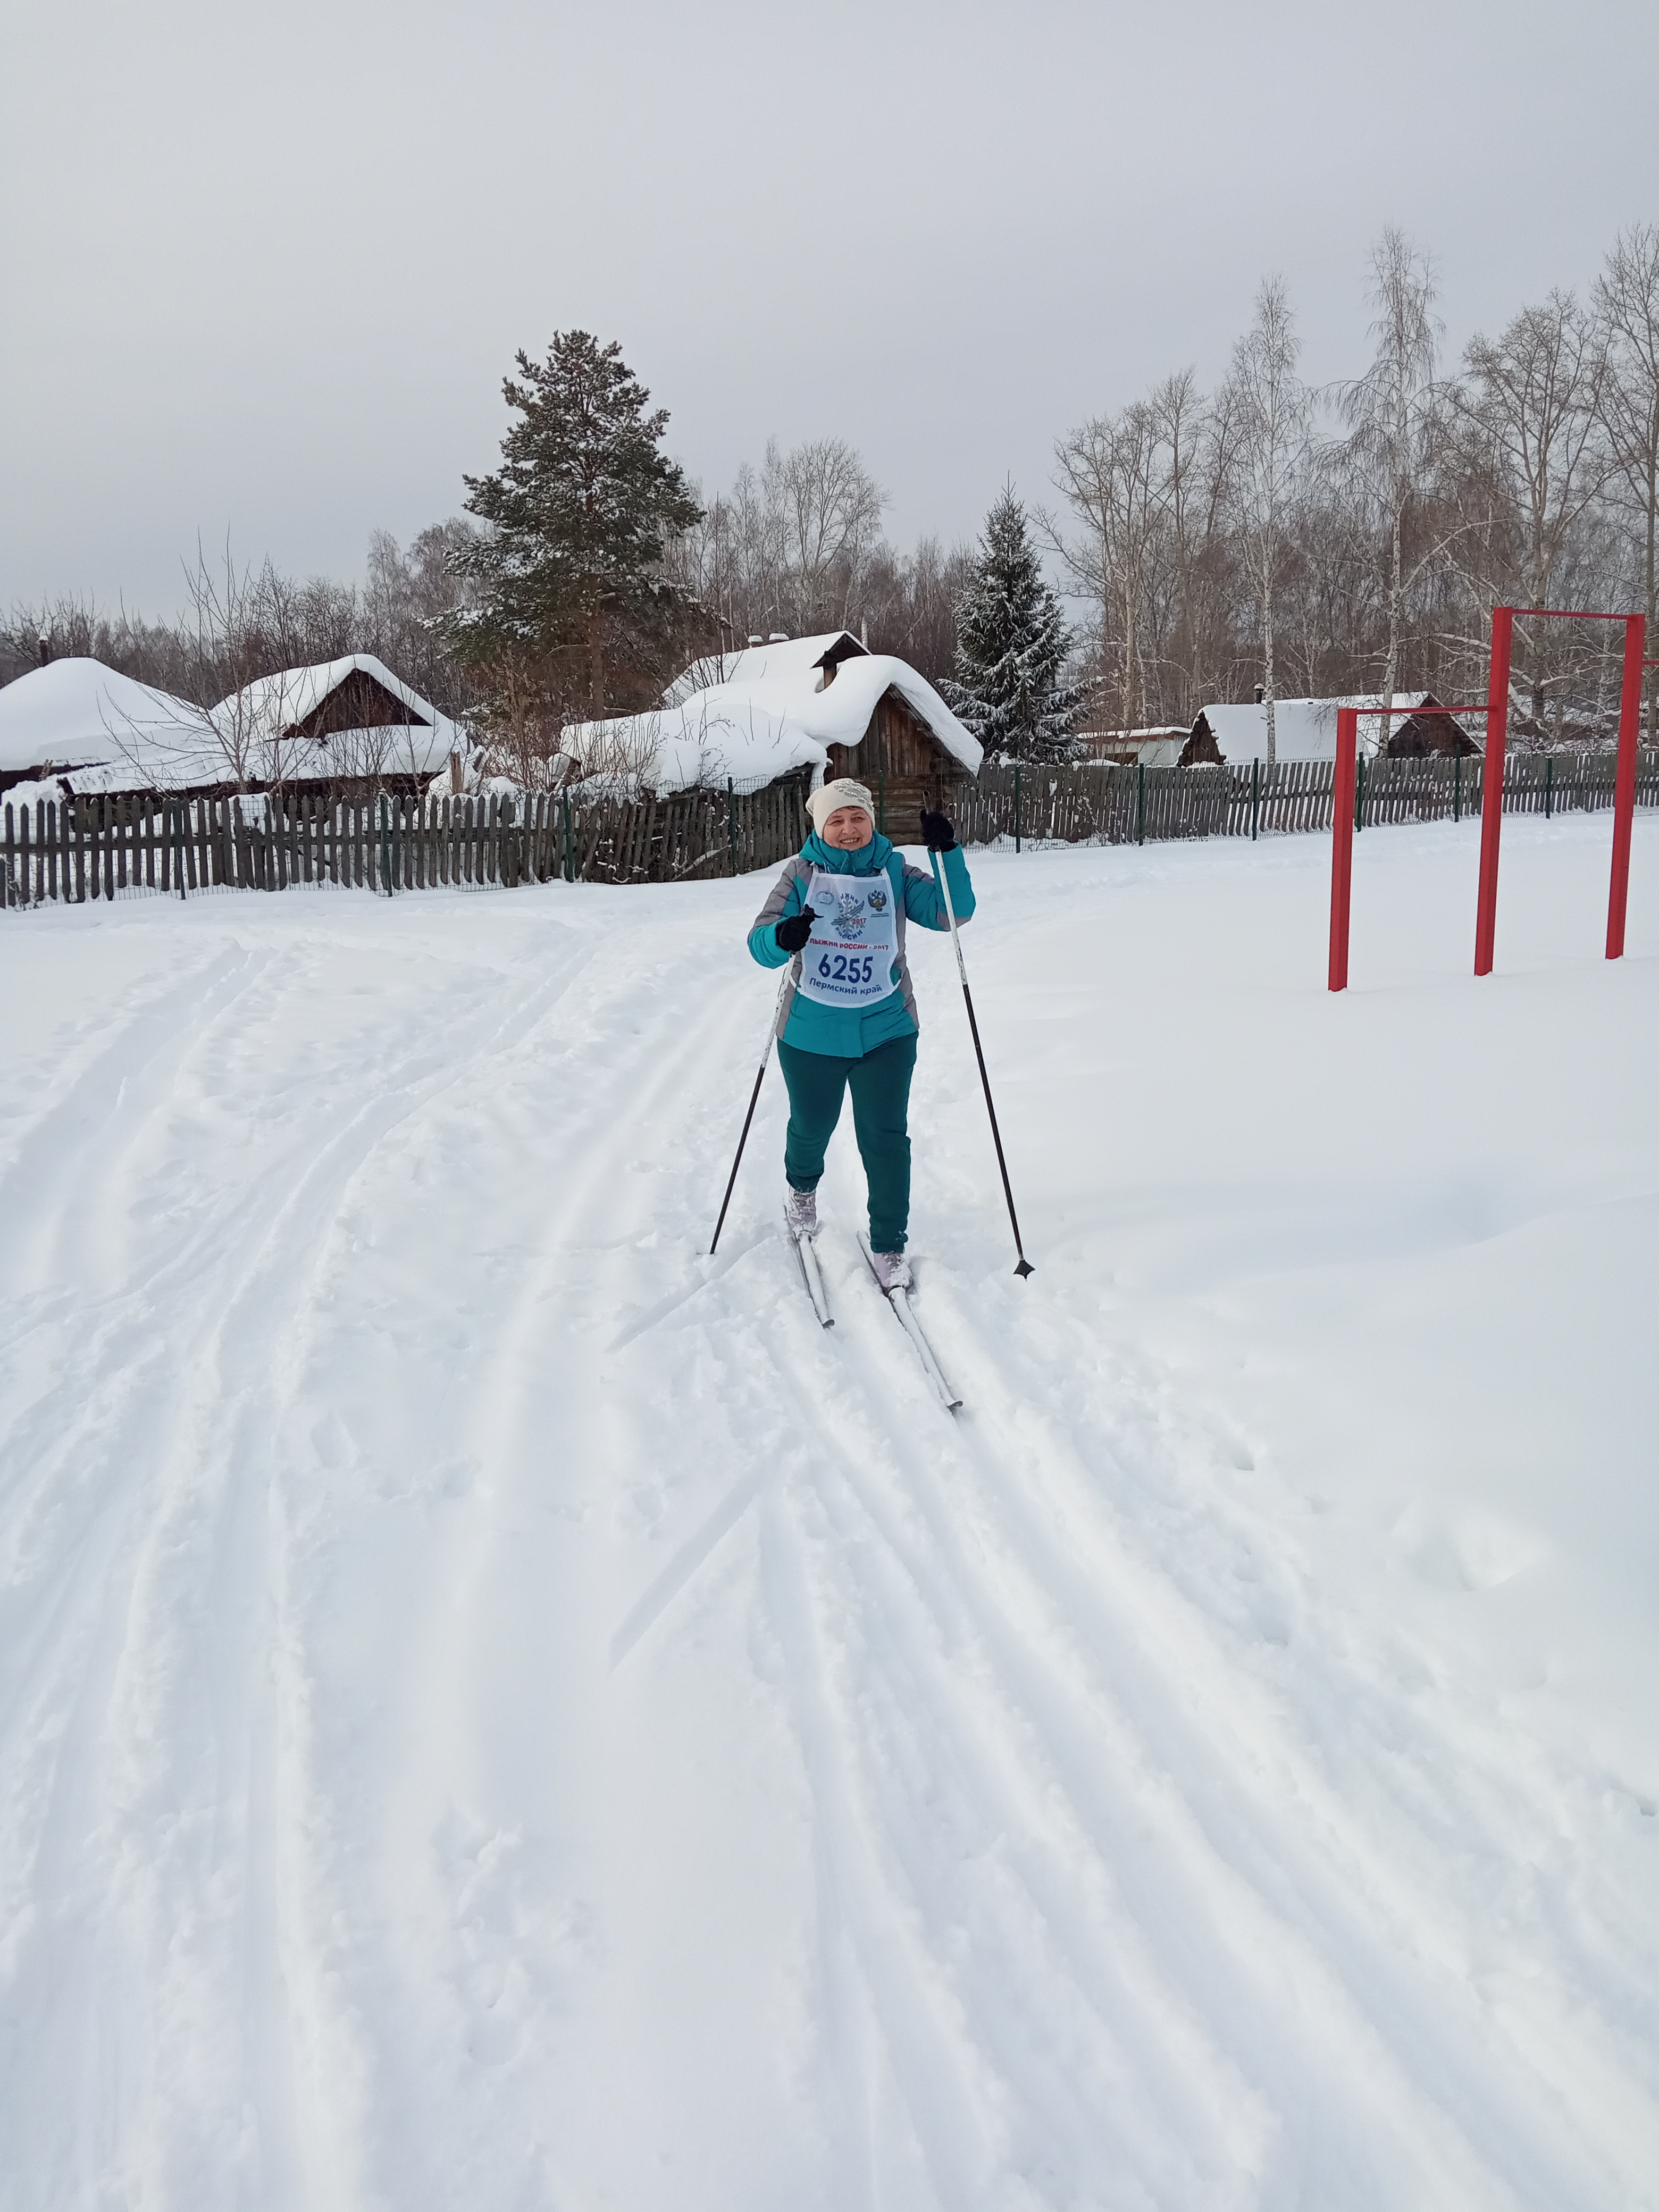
column 847, row 827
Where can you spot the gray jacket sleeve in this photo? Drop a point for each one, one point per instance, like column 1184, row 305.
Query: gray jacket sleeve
column 786, row 897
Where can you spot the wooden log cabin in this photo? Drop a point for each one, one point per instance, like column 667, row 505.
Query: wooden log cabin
column 898, row 756
column 806, row 707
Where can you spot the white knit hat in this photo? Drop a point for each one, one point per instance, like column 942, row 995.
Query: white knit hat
column 843, row 792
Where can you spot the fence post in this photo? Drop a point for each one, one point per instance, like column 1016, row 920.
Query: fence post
column 1255, row 794
column 177, row 809
column 1549, row 784
column 1492, row 788
column 1624, row 785
column 1359, row 790
column 1140, row 802
column 385, row 849
column 1457, row 778
column 564, row 810
column 731, row 823
column 881, row 800
column 1015, row 802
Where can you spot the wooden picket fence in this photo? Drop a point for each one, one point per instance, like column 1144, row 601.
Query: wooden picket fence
column 109, row 846
column 1138, row 806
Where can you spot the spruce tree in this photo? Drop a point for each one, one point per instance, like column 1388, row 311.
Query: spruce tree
column 569, row 572
column 1011, row 643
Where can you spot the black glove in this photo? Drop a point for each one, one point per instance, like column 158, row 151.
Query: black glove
column 936, row 832
column 794, row 933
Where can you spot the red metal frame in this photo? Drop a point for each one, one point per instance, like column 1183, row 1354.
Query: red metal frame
column 1623, row 784
column 1342, row 802
column 1491, row 795
column 1491, row 787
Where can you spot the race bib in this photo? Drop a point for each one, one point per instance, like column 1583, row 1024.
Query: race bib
column 848, row 959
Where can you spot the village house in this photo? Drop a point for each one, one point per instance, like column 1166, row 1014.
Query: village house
column 86, row 728
column 816, row 707
column 341, row 720
column 76, row 715
column 1305, row 730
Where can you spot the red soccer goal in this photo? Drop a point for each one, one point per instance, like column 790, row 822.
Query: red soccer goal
column 1492, row 797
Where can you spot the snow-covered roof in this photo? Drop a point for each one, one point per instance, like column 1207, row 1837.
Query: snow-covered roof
column 103, row 732
column 774, row 713
column 263, row 713
column 1304, row 729
column 780, row 660
column 75, row 711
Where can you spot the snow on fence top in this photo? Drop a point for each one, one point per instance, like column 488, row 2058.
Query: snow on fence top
column 760, row 713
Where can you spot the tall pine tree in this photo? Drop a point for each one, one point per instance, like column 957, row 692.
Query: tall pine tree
column 1011, row 643
column 570, row 574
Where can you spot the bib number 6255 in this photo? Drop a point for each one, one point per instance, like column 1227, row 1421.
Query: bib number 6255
column 846, row 967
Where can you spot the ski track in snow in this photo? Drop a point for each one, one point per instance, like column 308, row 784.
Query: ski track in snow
column 502, row 1708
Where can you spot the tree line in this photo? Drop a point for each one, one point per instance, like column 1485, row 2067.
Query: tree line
column 1264, row 535
column 1355, row 538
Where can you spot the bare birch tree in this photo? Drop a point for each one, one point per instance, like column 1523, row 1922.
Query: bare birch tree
column 1627, row 307
column 1106, row 473
column 1272, row 417
column 1533, row 406
column 1176, row 412
column 825, row 508
column 1389, row 414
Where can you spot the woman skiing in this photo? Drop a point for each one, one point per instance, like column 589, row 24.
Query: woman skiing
column 848, row 1015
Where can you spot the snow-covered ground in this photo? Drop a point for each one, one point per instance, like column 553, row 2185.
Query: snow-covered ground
column 499, row 1710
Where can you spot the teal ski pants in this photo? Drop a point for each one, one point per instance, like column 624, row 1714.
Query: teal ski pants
column 880, row 1084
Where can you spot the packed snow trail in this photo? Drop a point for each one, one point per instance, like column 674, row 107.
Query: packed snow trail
column 500, row 1709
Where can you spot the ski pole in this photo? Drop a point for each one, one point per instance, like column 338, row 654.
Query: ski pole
column 1024, row 1266
column 760, row 1077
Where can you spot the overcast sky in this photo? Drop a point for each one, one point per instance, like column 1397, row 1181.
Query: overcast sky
column 264, row 270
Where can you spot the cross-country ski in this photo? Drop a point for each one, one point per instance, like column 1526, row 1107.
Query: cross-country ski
column 812, row 1276
column 898, row 1292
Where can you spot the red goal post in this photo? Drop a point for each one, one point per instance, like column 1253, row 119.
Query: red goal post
column 1492, row 797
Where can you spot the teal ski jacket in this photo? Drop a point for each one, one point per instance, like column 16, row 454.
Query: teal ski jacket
column 849, row 1031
